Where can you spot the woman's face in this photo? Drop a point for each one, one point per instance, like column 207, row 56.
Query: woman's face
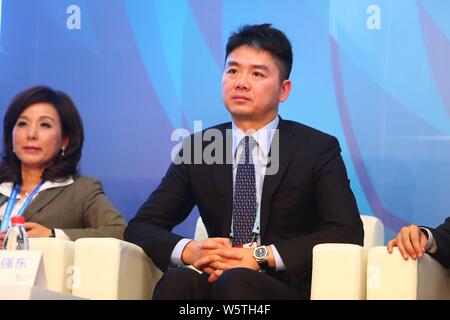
column 37, row 136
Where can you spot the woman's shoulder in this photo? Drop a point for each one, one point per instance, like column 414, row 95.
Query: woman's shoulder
column 85, row 182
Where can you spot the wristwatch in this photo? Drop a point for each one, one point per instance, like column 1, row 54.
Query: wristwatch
column 261, row 255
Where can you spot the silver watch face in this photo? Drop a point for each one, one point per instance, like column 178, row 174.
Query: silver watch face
column 260, row 254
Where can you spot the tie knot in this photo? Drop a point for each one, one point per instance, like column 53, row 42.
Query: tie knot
column 249, row 142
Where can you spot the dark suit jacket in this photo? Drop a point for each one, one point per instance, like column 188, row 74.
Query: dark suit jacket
column 80, row 209
column 442, row 236
column 308, row 201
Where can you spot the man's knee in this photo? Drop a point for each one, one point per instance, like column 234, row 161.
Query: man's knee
column 179, row 283
column 234, row 284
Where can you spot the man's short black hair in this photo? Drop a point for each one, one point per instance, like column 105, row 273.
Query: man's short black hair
column 264, row 37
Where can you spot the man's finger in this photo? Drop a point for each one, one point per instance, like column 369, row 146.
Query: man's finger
column 228, row 254
column 391, row 244
column 415, row 240
column 206, row 261
column 401, row 248
column 216, row 275
column 408, row 247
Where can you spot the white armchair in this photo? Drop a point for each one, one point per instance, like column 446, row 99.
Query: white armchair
column 58, row 262
column 97, row 268
column 389, row 276
column 107, row 268
column 339, row 270
column 200, row 230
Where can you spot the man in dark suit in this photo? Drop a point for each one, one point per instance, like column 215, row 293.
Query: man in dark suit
column 413, row 241
column 269, row 194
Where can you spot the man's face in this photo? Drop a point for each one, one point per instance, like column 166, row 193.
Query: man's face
column 251, row 87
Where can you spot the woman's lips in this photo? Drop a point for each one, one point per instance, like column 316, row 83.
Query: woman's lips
column 32, row 149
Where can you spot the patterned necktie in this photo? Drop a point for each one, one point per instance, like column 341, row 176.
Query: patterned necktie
column 244, row 200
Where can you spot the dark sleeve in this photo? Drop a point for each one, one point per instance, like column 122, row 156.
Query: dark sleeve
column 442, row 236
column 166, row 207
column 336, row 210
column 99, row 216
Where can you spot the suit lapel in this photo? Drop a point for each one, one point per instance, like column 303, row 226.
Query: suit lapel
column 286, row 149
column 223, row 180
column 41, row 200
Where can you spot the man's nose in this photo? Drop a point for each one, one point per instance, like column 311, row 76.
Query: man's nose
column 242, row 83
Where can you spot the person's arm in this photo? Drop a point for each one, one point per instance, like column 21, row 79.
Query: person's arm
column 442, row 239
column 99, row 216
column 335, row 207
column 165, row 208
column 413, row 241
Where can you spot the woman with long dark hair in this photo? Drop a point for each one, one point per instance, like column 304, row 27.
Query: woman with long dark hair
column 39, row 179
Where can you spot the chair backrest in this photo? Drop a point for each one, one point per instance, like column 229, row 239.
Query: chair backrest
column 373, row 231
column 200, row 230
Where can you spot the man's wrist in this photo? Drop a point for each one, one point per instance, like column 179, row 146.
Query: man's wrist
column 430, row 238
column 188, row 255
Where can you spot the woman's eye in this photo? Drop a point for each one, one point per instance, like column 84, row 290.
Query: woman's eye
column 45, row 125
column 21, row 124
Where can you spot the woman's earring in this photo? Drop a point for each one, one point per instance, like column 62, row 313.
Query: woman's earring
column 62, row 151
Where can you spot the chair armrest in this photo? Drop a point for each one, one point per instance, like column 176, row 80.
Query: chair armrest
column 109, row 268
column 58, row 262
column 338, row 271
column 389, row 276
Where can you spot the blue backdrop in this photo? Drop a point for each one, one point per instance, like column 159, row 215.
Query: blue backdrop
column 373, row 73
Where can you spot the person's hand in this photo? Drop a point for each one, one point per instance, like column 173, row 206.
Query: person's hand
column 36, row 230
column 411, row 242
column 219, row 261
column 196, row 250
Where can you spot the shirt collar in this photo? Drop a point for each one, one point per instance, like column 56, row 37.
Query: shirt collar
column 263, row 136
column 6, row 187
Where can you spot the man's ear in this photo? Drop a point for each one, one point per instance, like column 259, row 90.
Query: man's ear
column 285, row 90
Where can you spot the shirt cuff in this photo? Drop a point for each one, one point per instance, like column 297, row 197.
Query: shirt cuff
column 279, row 264
column 430, row 238
column 61, row 235
column 175, row 257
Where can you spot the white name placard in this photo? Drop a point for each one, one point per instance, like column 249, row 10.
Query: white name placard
column 22, row 268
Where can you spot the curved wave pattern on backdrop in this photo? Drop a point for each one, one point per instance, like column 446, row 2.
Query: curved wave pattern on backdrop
column 394, row 112
column 138, row 69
